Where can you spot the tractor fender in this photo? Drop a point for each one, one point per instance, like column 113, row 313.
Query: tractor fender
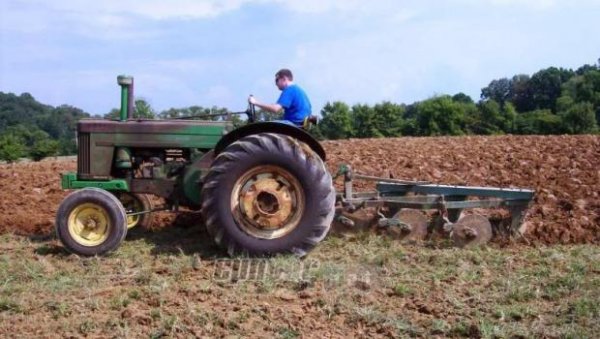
column 270, row 127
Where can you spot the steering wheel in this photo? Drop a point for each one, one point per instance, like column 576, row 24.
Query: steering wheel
column 251, row 112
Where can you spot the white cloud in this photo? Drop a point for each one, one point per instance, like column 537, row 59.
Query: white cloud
column 355, row 51
column 528, row 3
column 107, row 19
column 321, row 6
column 151, row 9
column 534, row 4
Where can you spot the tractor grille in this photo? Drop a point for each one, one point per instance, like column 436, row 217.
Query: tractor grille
column 83, row 154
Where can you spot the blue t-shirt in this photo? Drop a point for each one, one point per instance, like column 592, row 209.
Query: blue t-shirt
column 295, row 104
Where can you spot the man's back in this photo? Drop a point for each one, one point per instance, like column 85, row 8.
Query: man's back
column 295, row 103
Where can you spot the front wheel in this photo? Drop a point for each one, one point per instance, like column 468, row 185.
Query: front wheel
column 91, row 222
column 268, row 193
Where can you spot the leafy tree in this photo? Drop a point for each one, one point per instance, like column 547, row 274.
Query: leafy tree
column 61, row 125
column 546, row 87
column 365, row 124
column 388, row 119
column 538, row 122
column 22, row 109
column 410, row 127
column 143, row 110
column 582, row 88
column 463, row 98
column 11, row 147
column 440, row 116
column 61, row 122
column 27, row 134
column 489, row 117
column 587, row 68
column 35, row 142
column 521, row 93
column 410, row 111
column 510, row 117
column 113, row 114
column 579, row 118
column 42, row 148
column 67, row 146
column 484, row 119
column 336, row 122
column 497, row 90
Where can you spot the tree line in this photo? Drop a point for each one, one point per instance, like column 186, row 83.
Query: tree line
column 31, row 129
column 551, row 101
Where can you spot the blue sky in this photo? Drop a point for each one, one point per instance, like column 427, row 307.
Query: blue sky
column 215, row 53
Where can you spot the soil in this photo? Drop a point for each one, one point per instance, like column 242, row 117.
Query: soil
column 564, row 171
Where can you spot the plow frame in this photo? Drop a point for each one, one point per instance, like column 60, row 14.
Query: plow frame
column 449, row 200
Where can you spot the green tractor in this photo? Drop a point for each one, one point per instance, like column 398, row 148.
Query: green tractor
column 261, row 189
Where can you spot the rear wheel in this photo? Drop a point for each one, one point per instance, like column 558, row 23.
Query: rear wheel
column 134, row 203
column 267, row 193
column 91, row 222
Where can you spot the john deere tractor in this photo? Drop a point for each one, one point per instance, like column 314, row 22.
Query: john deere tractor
column 261, row 189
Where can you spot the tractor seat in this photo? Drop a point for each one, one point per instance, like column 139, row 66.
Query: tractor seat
column 308, row 121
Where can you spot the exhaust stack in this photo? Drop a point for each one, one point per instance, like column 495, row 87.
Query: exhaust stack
column 126, row 83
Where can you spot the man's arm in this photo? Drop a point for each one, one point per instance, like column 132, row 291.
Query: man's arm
column 273, row 108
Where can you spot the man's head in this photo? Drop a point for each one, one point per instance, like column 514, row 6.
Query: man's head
column 283, row 78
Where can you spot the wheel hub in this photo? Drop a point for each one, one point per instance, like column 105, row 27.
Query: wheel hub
column 267, row 202
column 89, row 224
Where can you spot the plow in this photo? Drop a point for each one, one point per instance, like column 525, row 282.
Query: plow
column 260, row 189
column 409, row 201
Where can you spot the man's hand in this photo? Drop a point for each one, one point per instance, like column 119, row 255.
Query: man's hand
column 273, row 108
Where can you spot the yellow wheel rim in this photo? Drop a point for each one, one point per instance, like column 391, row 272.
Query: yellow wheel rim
column 89, row 224
column 132, row 205
column 267, row 202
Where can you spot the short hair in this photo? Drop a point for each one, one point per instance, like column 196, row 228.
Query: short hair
column 284, row 72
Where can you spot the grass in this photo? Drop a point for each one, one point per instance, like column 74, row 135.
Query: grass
column 371, row 285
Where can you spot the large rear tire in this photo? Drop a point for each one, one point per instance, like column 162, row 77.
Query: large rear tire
column 90, row 222
column 266, row 194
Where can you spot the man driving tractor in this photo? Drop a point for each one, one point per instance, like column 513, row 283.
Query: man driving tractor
column 293, row 101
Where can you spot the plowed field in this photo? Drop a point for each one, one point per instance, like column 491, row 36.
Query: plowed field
column 174, row 282
column 563, row 170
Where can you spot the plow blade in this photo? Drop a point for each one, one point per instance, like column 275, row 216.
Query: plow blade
column 471, row 230
column 408, row 225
